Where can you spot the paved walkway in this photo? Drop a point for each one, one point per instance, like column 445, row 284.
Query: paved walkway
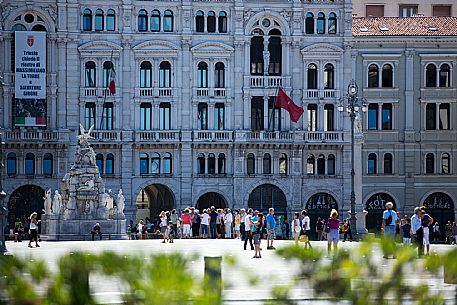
column 271, row 269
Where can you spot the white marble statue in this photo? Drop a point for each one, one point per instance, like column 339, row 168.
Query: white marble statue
column 88, row 186
column 120, row 202
column 57, row 203
column 47, row 202
column 357, row 124
column 266, row 61
column 84, row 137
column 109, row 200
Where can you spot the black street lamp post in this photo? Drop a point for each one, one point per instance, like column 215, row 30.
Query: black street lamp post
column 353, row 105
column 3, row 210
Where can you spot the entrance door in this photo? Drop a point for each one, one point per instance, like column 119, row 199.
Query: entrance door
column 24, row 201
column 210, row 199
column 441, row 207
column 267, row 196
column 152, row 200
column 375, row 207
column 319, row 205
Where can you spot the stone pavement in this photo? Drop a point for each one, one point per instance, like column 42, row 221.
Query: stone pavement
column 271, row 269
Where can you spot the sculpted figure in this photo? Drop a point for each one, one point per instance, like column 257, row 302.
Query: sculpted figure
column 266, row 61
column 47, row 202
column 84, row 137
column 109, row 200
column 120, row 202
column 57, row 203
column 88, row 186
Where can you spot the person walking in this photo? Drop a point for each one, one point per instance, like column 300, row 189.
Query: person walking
column 426, row 222
column 174, row 220
column 212, row 222
column 196, row 221
column 448, row 232
column 242, row 224
column 389, row 220
column 228, row 220
column 347, row 230
column 271, row 227
column 33, row 230
column 333, row 231
column 406, row 229
column 257, row 232
column 418, row 232
column 296, row 227
column 237, row 226
column 319, row 228
column 248, row 229
column 186, row 223
column 306, row 227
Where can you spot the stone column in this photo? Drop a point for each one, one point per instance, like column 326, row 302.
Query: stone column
column 247, row 112
column 61, row 83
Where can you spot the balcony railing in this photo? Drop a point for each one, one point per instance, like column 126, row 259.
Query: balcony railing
column 36, row 135
column 325, row 93
column 157, row 135
column 154, row 92
column 323, row 136
column 268, row 81
column 213, row 135
column 106, row 135
column 97, row 92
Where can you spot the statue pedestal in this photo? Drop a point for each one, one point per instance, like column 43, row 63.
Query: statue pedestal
column 54, row 229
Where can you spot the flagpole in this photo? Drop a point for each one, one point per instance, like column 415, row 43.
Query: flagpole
column 274, row 106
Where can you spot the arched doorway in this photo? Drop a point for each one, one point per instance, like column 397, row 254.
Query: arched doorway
column 152, row 200
column 24, row 201
column 267, row 196
column 375, row 206
column 211, row 199
column 441, row 207
column 319, row 205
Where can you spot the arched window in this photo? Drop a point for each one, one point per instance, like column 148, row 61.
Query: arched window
column 445, row 76
column 202, row 75
column 19, row 27
column 373, row 76
column 219, row 75
column 221, row 163
column 99, row 20
column 321, row 23
column 87, row 20
column 372, row 164
column 145, row 74
column 142, row 21
column 445, row 163
column 332, row 23
column 321, row 165
column 168, row 21
column 283, row 164
column 110, row 20
column 165, row 74
column 99, row 162
column 430, row 75
column 155, row 21
column 89, row 79
column 211, row 26
column 47, row 165
column 144, row 163
column 256, row 55
column 309, row 23
column 329, row 77
column 387, row 76
column 11, row 164
column 30, row 164
column 211, row 164
column 331, row 165
column 275, row 49
column 109, row 165
column 388, row 165
column 107, row 73
column 201, row 163
column 250, row 164
column 200, row 22
column 167, row 163
column 430, row 163
column 155, row 163
column 39, row 28
column 310, row 165
column 267, row 164
column 222, row 22
column 312, row 76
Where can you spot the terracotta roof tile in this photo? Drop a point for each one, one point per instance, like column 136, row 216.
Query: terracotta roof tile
column 404, row 26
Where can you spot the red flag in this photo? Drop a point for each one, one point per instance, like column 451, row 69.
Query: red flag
column 112, row 75
column 285, row 102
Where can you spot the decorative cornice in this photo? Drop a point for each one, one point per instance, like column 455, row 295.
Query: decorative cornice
column 322, row 48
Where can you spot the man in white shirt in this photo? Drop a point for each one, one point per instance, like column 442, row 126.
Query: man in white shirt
column 228, row 219
column 205, row 224
column 306, row 226
column 248, row 229
column 416, row 227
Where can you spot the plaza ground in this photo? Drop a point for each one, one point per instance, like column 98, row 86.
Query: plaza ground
column 272, row 270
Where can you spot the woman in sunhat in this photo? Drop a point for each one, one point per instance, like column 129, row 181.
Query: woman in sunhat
column 33, row 229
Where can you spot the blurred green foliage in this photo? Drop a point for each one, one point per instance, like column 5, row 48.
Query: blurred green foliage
column 355, row 277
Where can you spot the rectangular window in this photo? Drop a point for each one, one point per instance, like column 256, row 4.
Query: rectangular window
column 219, row 116
column 371, row 166
column 442, row 10
column 444, row 116
column 164, row 116
column 107, row 118
column 274, row 115
column 373, row 117
column 202, row 116
column 165, row 78
column 387, row 117
column 257, row 113
column 374, row 11
column 430, row 117
column 408, row 10
column 11, row 166
column 145, row 116
column 312, row 117
column 89, row 115
column 329, row 124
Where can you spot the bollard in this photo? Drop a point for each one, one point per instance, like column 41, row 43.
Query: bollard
column 213, row 278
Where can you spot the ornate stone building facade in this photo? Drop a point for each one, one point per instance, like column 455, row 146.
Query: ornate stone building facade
column 192, row 120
